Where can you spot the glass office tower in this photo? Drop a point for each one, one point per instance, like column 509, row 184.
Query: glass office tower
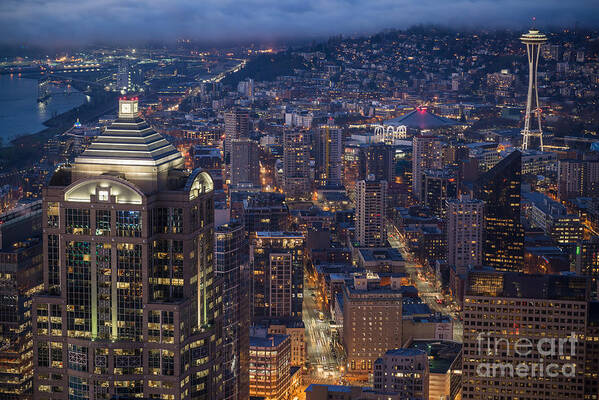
column 131, row 305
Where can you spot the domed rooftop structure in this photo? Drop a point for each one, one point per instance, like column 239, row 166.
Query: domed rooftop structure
column 129, row 141
column 421, row 119
column 130, row 148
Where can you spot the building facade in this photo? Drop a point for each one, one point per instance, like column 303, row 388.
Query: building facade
column 552, row 217
column 426, row 154
column 329, row 150
column 266, row 211
column 20, row 280
column 438, row 186
column 403, row 371
column 377, row 159
column 513, row 323
column 245, row 162
column 270, row 366
column 465, row 232
column 371, row 205
column 577, row 178
column 231, row 259
column 277, row 265
column 587, row 262
column 296, row 164
column 131, row 305
column 296, row 330
column 237, row 125
column 499, row 188
column 372, row 323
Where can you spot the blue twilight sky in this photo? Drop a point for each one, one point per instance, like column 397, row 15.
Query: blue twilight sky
column 58, row 22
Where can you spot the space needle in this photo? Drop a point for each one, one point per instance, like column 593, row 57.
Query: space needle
column 533, row 41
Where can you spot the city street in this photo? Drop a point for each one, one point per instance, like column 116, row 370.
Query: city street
column 324, row 364
column 426, row 289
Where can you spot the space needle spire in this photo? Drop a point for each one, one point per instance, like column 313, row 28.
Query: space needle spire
column 533, row 41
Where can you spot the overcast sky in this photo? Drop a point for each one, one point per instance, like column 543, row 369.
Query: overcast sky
column 62, row 22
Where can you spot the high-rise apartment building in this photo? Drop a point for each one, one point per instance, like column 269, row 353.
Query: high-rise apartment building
column 329, row 151
column 426, row 154
column 524, row 336
column 296, row 165
column 403, row 371
column 499, row 188
column 377, row 159
column 577, row 178
column 237, row 126
column 131, row 304
column 231, row 260
column 372, row 323
column 245, row 162
column 465, row 225
column 277, row 265
column 371, row 203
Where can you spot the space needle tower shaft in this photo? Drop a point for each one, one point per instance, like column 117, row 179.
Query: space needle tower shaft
column 533, row 41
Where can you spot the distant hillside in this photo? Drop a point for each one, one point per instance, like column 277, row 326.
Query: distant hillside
column 267, row 67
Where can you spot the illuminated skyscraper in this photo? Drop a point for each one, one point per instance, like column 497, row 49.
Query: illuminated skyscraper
column 296, row 168
column 245, row 162
column 231, row 255
column 438, row 186
column 371, row 204
column 131, row 304
column 329, row 149
column 464, row 232
column 533, row 41
column 377, row 159
column 20, row 279
column 277, row 265
column 499, row 188
column 426, row 154
column 372, row 322
column 237, row 126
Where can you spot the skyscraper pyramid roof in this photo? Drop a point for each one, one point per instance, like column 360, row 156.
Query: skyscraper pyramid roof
column 129, row 141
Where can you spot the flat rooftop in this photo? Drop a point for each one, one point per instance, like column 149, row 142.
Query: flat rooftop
column 528, row 286
column 441, row 353
column 267, row 341
column 380, row 254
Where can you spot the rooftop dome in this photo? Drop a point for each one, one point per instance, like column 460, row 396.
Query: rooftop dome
column 131, row 149
column 421, row 119
column 129, row 141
